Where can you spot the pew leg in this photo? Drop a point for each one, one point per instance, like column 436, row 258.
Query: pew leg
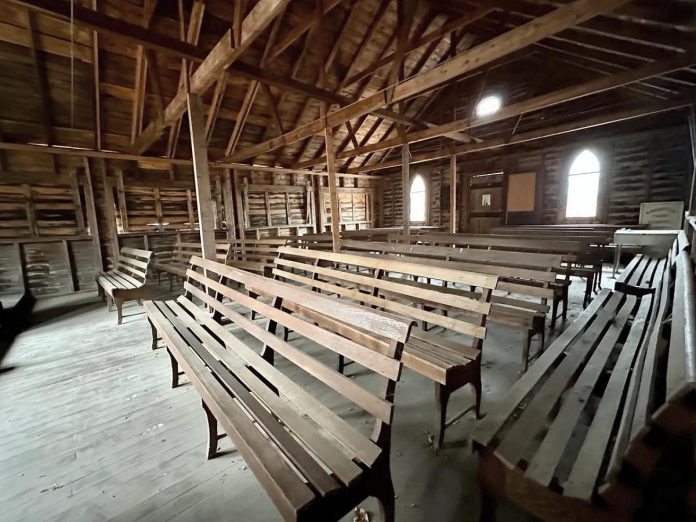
column 386, row 498
column 341, row 364
column 588, row 290
column 212, row 432
column 175, row 369
column 159, row 278
column 442, row 395
column 171, row 282
column 109, row 303
column 477, row 390
column 566, row 290
column 119, row 310
column 525, row 349
column 554, row 312
column 253, row 296
column 154, row 335
column 286, row 334
column 489, row 506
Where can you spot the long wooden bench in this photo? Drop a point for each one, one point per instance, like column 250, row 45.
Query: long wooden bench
column 580, row 257
column 577, row 437
column 254, row 255
column 643, row 273
column 126, row 282
column 314, row 464
column 525, row 286
column 384, row 283
column 176, row 263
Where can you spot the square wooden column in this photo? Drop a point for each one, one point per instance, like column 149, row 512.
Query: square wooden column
column 406, row 190
column 201, row 171
column 333, row 193
column 453, row 194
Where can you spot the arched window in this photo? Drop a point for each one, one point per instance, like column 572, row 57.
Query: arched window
column 417, row 198
column 583, row 186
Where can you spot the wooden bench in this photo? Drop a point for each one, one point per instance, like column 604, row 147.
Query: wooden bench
column 127, row 281
column 643, row 273
column 578, row 435
column 254, row 255
column 450, row 363
column 314, row 464
column 524, row 285
column 580, row 258
column 176, row 263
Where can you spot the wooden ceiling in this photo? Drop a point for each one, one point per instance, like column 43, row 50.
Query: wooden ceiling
column 70, row 85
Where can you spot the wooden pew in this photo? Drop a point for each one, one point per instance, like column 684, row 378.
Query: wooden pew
column 313, row 464
column 254, row 255
column 577, row 254
column 525, row 280
column 176, row 263
column 450, row 364
column 127, row 281
column 643, row 273
column 577, row 436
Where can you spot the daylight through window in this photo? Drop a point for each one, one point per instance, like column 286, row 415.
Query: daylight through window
column 418, row 200
column 583, row 186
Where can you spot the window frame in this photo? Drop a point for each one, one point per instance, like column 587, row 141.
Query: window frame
column 601, row 158
column 426, row 213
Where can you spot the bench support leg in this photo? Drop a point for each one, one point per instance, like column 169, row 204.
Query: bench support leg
column 386, row 499
column 554, row 313
column 212, row 432
column 119, row 310
column 442, row 395
column 109, row 303
column 154, row 335
column 175, row 369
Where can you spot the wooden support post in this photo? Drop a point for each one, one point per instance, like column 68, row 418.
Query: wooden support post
column 333, row 192
column 189, row 207
column 68, row 265
column 79, row 213
column 199, row 152
column 453, row 194
column 110, row 211
column 239, row 207
column 30, row 211
column 229, row 205
column 92, row 216
column 158, row 208
column 692, row 135
column 121, row 195
column 406, row 190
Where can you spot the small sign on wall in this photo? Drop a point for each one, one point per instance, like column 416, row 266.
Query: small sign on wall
column 666, row 215
column 485, row 200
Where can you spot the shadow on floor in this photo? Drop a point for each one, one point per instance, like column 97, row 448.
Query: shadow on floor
column 12, row 321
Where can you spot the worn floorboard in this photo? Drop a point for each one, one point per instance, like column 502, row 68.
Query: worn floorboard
column 92, row 431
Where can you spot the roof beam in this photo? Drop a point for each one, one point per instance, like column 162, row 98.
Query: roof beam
column 507, row 43
column 432, row 36
column 173, row 47
column 533, row 135
column 219, row 59
column 543, row 101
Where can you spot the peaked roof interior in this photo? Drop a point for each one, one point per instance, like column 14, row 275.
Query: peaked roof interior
column 331, row 52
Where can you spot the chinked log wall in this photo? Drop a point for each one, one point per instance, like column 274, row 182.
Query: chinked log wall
column 639, row 167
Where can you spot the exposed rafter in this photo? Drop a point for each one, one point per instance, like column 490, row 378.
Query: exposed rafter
column 500, row 46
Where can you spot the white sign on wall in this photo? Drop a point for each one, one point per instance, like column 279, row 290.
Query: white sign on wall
column 665, row 215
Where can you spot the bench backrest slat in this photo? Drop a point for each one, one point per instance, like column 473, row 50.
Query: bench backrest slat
column 373, row 284
column 133, row 264
column 392, row 330
column 522, row 265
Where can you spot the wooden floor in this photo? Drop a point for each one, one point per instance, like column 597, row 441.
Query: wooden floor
column 92, row 431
